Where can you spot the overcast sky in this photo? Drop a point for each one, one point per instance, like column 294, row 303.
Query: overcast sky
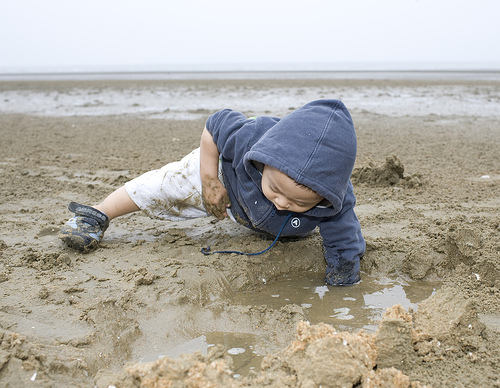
column 65, row 33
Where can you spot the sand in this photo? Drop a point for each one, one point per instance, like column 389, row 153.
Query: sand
column 427, row 181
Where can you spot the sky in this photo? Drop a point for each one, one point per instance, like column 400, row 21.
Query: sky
column 124, row 33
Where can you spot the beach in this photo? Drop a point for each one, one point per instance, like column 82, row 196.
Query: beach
column 427, row 183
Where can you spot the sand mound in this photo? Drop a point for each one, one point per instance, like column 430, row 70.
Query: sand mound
column 389, row 173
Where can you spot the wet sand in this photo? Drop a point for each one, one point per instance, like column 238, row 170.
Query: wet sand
column 427, row 181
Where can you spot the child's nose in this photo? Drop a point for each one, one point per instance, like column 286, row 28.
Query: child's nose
column 281, row 203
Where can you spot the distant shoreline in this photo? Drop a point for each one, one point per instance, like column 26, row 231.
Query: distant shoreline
column 182, row 96
column 473, row 74
column 453, row 70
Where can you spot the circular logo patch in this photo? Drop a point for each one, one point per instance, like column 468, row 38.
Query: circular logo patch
column 295, row 222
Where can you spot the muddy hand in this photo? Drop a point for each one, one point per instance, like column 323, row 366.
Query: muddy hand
column 218, row 210
column 216, row 200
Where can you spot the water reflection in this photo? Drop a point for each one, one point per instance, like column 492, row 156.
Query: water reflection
column 346, row 308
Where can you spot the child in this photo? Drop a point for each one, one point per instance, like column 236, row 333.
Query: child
column 275, row 176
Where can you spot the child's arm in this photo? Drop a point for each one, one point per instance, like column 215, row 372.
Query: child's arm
column 214, row 194
column 343, row 244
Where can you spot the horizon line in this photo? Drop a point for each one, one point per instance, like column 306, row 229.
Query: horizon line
column 345, row 66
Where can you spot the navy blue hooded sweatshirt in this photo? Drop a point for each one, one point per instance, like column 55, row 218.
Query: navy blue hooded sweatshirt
column 315, row 146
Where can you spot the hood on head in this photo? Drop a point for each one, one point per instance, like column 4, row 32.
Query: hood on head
column 315, row 145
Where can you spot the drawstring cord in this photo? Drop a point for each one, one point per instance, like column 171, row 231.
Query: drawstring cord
column 206, row 251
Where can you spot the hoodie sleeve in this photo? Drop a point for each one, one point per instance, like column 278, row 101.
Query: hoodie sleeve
column 223, row 126
column 343, row 244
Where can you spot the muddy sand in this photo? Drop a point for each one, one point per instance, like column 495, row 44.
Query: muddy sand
column 427, row 181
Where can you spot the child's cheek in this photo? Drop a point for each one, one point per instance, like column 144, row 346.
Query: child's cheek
column 265, row 192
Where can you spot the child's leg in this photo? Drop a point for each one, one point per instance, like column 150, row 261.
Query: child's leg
column 172, row 192
column 117, row 204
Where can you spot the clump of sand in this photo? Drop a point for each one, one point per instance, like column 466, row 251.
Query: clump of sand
column 389, row 173
column 319, row 356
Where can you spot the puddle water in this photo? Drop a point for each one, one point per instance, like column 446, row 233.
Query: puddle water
column 346, row 308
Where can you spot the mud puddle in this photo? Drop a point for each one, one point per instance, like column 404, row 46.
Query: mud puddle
column 345, row 308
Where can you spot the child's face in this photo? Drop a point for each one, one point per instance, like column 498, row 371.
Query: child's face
column 285, row 193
